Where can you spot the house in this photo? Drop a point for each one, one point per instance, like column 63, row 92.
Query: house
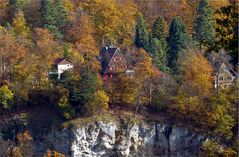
column 62, row 65
column 224, row 76
column 112, row 62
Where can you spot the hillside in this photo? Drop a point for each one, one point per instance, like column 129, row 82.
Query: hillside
column 161, row 65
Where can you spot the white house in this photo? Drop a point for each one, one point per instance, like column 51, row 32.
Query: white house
column 63, row 64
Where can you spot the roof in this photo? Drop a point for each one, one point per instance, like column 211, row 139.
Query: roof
column 226, row 66
column 62, row 61
column 105, row 57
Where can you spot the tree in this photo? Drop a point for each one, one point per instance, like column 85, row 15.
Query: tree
column 159, row 29
column 63, row 103
column 81, row 35
column 45, row 52
column 106, row 18
column 60, row 14
column 227, row 30
column 141, row 34
column 14, row 6
column 220, row 116
column 89, row 94
column 48, row 15
column 6, row 97
column 214, row 149
column 196, row 70
column 126, row 29
column 204, row 32
column 177, row 41
column 20, row 27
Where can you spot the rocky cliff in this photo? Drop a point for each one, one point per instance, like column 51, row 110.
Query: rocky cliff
column 101, row 139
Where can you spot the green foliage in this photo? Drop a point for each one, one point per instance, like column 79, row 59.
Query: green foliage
column 54, row 16
column 6, row 97
column 14, row 6
column 60, row 14
column 66, row 51
column 142, row 34
column 221, row 116
column 63, row 103
column 214, row 149
column 89, row 93
column 204, row 31
column 177, row 41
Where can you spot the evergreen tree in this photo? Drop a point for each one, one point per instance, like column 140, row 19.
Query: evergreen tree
column 13, row 7
column 177, row 40
column 159, row 29
column 142, row 34
column 89, row 93
column 159, row 44
column 66, row 51
column 204, row 32
column 48, row 13
column 60, row 14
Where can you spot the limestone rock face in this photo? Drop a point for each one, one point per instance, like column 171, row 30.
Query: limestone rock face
column 134, row 140
column 111, row 139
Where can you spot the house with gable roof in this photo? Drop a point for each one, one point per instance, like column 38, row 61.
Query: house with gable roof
column 224, row 76
column 61, row 65
column 112, row 62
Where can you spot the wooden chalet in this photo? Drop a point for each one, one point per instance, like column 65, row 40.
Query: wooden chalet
column 112, row 62
column 224, row 76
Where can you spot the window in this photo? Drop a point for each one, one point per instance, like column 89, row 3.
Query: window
column 229, row 78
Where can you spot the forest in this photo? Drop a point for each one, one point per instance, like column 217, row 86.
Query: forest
column 174, row 47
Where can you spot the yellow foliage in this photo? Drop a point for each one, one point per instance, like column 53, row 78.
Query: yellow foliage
column 112, row 21
column 102, row 99
column 20, row 27
column 195, row 69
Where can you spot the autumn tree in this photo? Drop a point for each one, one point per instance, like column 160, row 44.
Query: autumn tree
column 220, row 116
column 126, row 29
column 63, row 102
column 20, row 27
column 227, row 30
column 106, row 18
column 204, row 32
column 6, row 97
column 195, row 84
column 81, row 34
column 177, row 41
column 45, row 52
column 198, row 75
column 113, row 22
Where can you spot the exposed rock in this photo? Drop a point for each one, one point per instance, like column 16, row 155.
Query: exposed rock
column 110, row 139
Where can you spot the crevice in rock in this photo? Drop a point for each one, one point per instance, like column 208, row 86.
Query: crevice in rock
column 168, row 131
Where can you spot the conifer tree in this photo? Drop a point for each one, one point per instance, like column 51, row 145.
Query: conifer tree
column 142, row 34
column 204, row 32
column 60, row 14
column 48, row 13
column 177, row 40
column 159, row 43
column 66, row 51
